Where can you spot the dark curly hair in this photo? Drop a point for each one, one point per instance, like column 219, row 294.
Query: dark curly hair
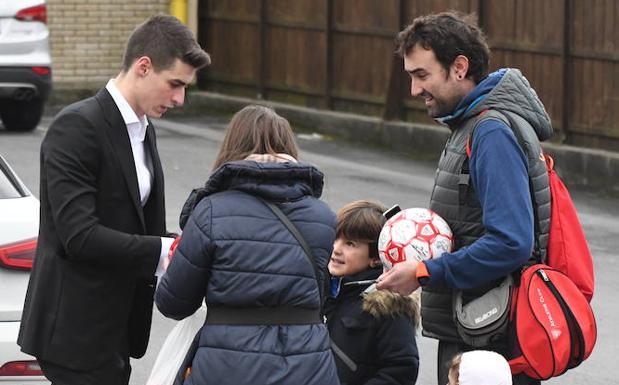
column 448, row 34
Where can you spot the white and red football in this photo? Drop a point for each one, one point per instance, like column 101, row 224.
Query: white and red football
column 414, row 233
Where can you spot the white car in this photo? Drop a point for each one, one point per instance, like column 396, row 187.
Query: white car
column 25, row 63
column 19, row 227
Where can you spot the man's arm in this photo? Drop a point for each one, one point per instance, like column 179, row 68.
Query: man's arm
column 499, row 176
column 70, row 161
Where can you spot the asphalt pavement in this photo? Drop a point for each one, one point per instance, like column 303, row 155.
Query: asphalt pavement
column 188, row 145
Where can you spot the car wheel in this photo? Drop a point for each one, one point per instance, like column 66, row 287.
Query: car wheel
column 21, row 115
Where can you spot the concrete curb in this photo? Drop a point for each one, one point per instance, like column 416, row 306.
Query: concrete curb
column 590, row 169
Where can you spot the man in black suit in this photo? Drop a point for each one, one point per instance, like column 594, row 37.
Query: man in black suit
column 102, row 232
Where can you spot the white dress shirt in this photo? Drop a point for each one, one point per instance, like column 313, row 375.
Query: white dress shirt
column 136, row 128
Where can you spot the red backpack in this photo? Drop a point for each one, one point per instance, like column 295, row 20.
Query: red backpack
column 553, row 326
column 568, row 250
column 553, row 323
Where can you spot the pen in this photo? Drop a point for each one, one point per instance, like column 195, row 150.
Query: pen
column 360, row 283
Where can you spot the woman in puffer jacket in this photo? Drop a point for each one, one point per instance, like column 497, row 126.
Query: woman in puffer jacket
column 263, row 298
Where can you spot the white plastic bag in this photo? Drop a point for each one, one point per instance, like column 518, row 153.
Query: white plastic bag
column 175, row 348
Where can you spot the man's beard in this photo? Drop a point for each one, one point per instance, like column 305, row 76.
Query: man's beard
column 441, row 107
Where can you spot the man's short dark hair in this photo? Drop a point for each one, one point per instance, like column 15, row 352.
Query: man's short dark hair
column 448, row 35
column 164, row 39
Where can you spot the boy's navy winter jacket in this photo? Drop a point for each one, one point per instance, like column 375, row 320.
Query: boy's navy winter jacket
column 235, row 252
column 376, row 331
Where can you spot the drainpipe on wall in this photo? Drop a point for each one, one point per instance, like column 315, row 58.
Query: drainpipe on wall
column 187, row 12
column 192, row 16
column 178, row 9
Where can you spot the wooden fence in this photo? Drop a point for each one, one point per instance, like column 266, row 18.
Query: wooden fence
column 338, row 55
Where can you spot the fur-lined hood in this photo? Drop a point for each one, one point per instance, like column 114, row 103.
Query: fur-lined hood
column 382, row 303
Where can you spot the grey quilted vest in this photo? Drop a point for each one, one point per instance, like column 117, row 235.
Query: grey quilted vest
column 515, row 103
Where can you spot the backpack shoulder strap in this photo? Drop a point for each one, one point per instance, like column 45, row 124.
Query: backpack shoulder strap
column 297, row 235
column 488, row 114
column 464, row 177
column 352, row 366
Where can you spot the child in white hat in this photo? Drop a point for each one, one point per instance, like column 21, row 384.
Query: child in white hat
column 479, row 367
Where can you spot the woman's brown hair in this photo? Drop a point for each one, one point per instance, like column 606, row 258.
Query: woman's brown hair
column 256, row 130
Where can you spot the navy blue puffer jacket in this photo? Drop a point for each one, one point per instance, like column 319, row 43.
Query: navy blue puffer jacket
column 235, row 252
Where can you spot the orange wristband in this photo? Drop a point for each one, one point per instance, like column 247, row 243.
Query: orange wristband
column 422, row 274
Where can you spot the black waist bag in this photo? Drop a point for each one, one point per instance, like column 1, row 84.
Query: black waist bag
column 484, row 320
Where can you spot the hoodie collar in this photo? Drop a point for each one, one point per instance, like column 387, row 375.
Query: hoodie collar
column 279, row 182
column 474, row 97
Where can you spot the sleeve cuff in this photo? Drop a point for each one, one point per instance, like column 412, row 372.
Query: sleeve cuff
column 434, row 270
column 422, row 274
column 422, row 270
column 166, row 243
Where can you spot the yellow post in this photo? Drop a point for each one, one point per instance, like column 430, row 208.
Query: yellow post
column 192, row 16
column 178, row 9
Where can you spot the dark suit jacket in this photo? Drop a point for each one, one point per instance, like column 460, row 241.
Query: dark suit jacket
column 91, row 287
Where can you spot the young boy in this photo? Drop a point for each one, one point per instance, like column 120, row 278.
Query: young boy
column 372, row 332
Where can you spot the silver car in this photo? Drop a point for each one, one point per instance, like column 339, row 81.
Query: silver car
column 25, row 63
column 19, row 226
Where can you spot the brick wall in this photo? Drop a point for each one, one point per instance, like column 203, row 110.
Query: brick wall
column 88, row 37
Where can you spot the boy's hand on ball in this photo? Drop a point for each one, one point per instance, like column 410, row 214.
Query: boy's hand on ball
column 401, row 278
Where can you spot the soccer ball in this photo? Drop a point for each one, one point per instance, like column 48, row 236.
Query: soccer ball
column 414, row 233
